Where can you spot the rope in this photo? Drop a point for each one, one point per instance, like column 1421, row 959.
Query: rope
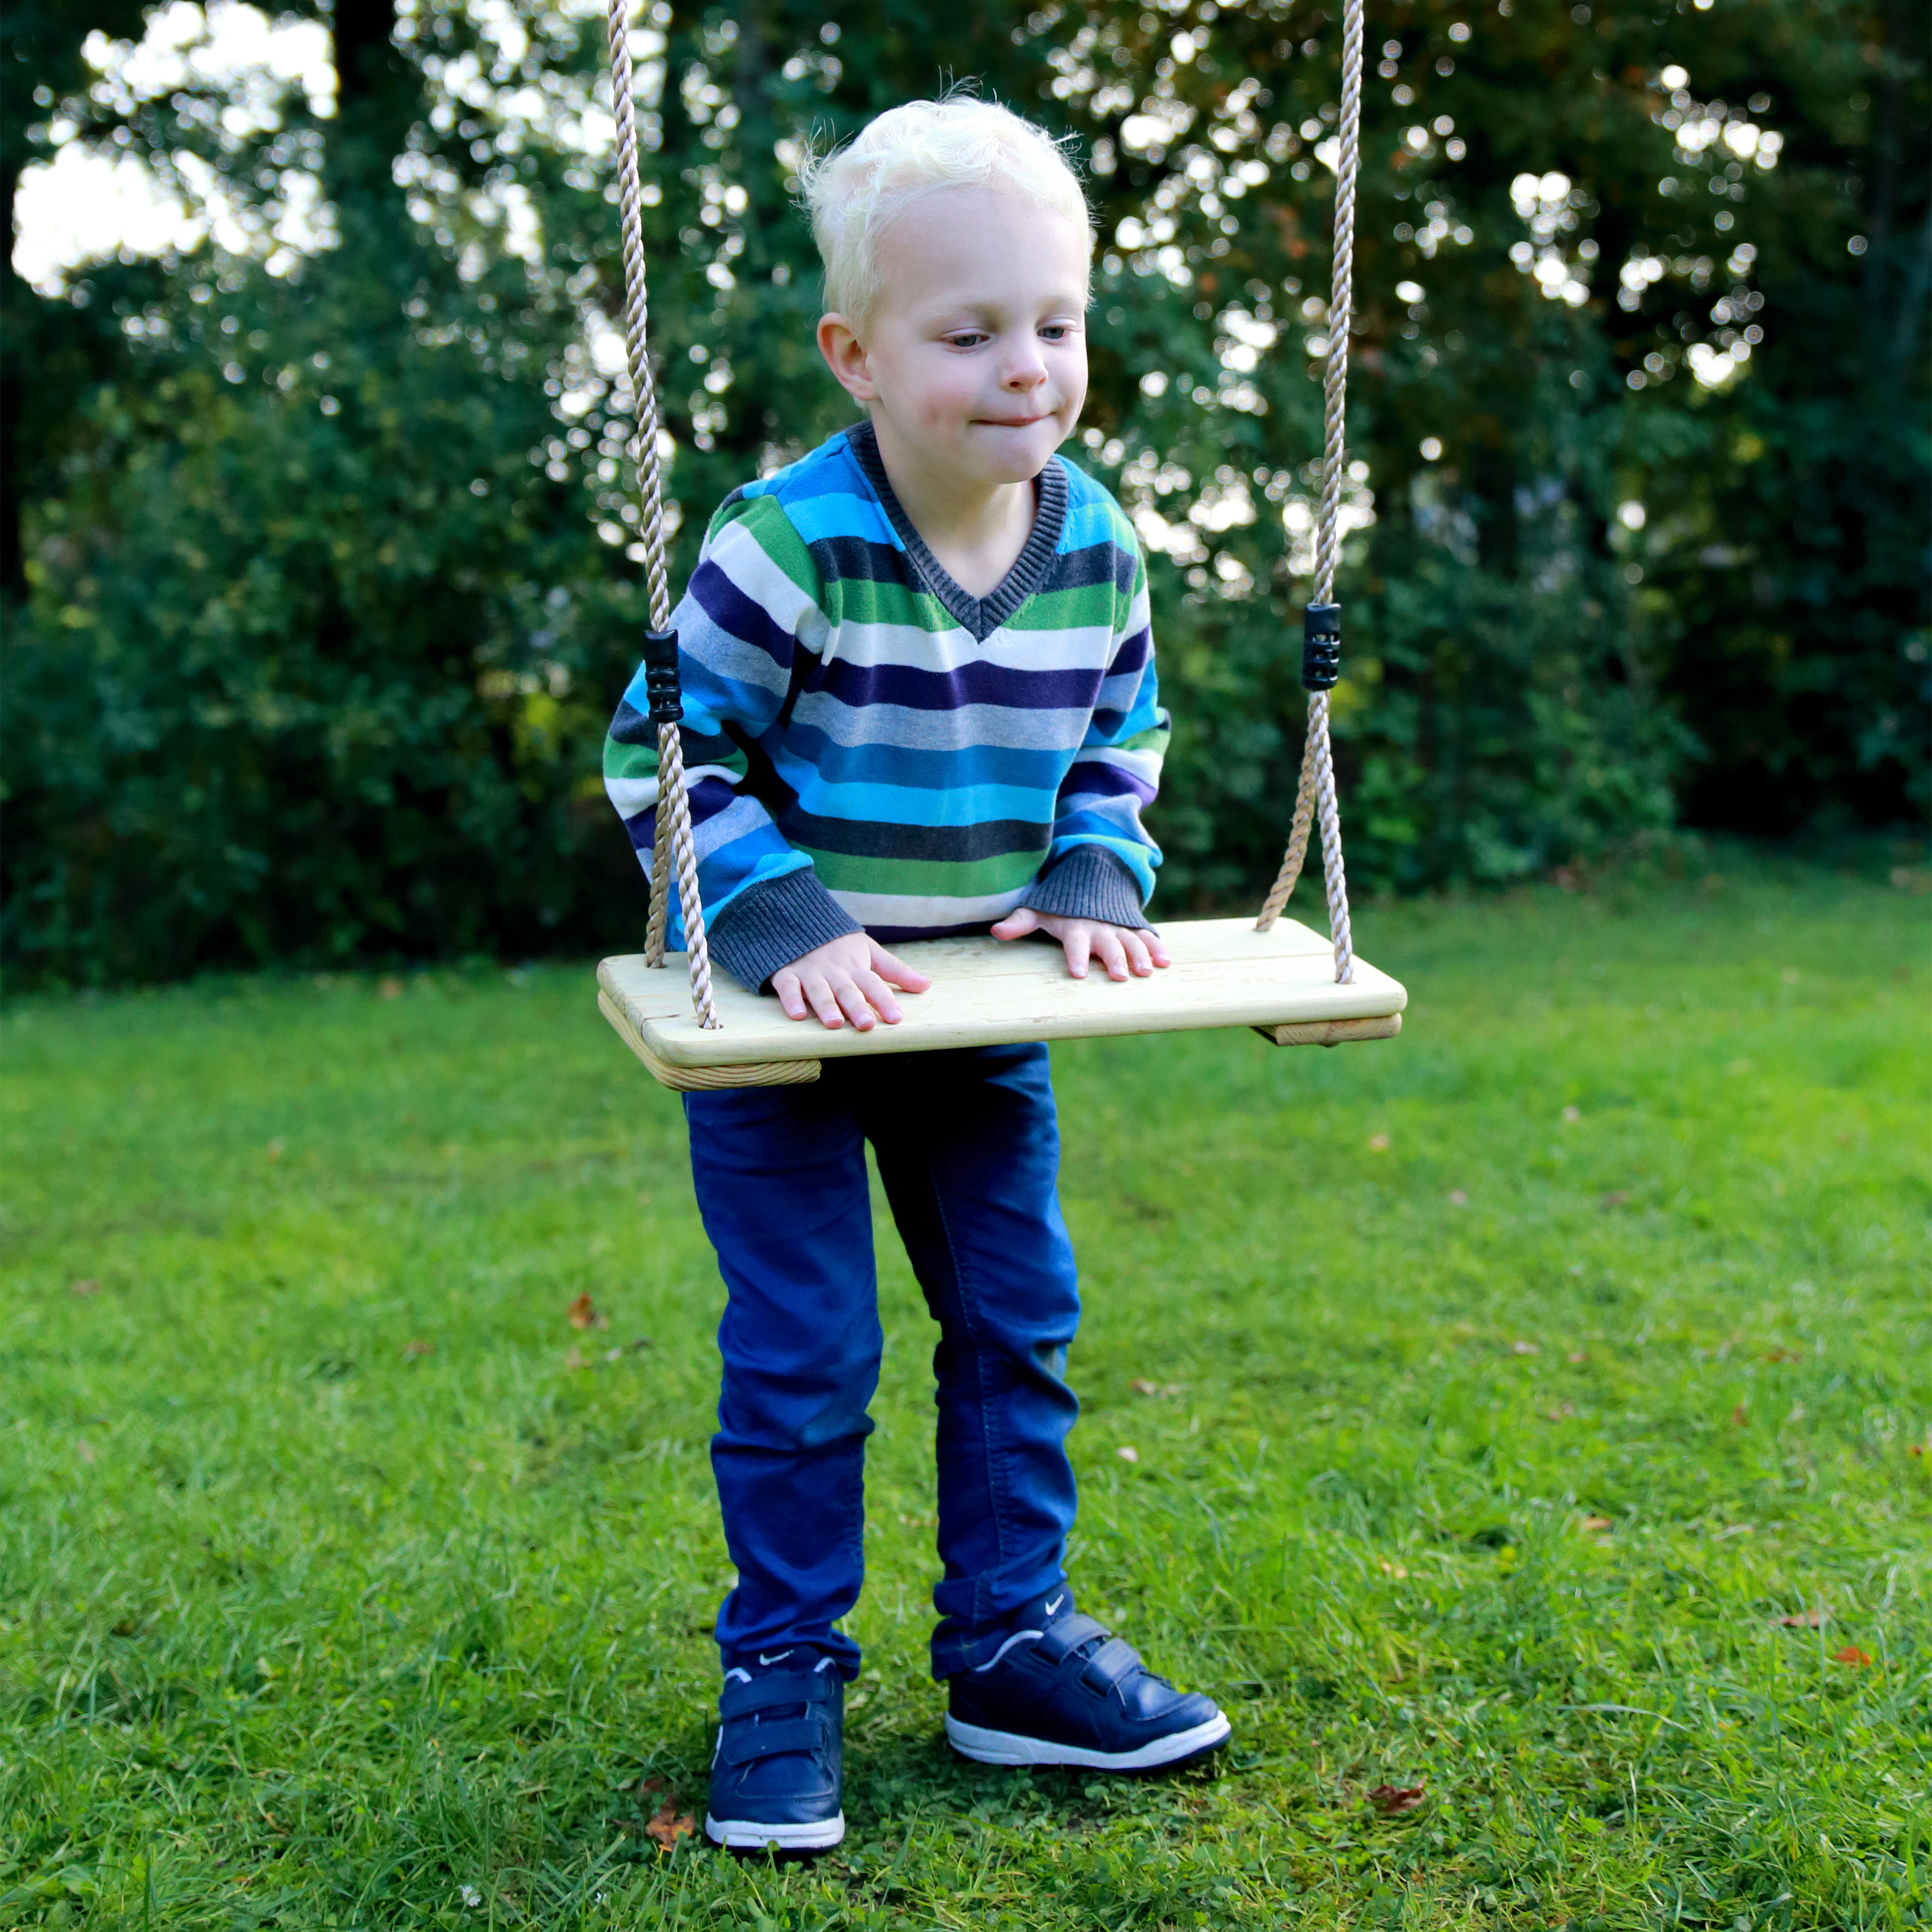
column 1314, row 797
column 671, row 847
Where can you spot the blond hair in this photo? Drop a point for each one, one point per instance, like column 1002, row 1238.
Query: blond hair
column 855, row 192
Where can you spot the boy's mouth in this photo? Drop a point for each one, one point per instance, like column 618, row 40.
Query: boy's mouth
column 1016, row 422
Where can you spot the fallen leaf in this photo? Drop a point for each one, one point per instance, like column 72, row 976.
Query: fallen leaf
column 83, row 1289
column 411, row 1350
column 584, row 1313
column 1738, row 1418
column 84, row 1449
column 276, row 1149
column 1571, row 1115
column 1525, row 1349
column 1390, row 1800
column 1389, row 1569
column 1141, row 1386
column 1562, row 1412
column 646, row 1786
column 1852, row 1654
column 1128, row 1453
column 1458, row 1198
column 667, row 1824
column 576, row 1359
column 1784, row 1354
column 1596, row 1522
column 1616, row 1197
column 1914, row 1449
column 1804, row 1620
column 1577, row 1355
column 1378, row 1143
column 390, row 989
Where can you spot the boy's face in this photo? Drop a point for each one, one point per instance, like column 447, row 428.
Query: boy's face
column 975, row 356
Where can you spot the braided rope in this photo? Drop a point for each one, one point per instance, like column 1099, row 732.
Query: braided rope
column 671, row 780
column 1297, row 835
column 637, row 315
column 660, row 913
column 1315, row 796
column 671, row 846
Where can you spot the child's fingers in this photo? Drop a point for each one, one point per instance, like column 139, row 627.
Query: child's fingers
column 1017, row 925
column 890, row 967
column 854, row 1004
column 1079, row 945
column 818, row 990
column 880, row 994
column 1156, row 951
column 791, row 996
column 1134, row 945
column 1110, row 951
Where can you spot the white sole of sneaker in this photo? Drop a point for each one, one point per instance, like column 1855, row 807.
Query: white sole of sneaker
column 986, row 1747
column 743, row 1835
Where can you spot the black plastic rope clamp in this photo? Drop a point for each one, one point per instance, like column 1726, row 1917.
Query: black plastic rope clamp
column 660, row 678
column 1320, row 646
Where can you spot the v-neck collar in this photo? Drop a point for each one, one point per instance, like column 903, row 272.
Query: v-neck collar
column 980, row 616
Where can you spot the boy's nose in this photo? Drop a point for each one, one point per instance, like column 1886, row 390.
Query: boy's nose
column 1028, row 373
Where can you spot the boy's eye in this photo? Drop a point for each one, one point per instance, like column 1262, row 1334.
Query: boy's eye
column 966, row 338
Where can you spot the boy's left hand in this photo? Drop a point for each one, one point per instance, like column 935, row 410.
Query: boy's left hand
column 1122, row 949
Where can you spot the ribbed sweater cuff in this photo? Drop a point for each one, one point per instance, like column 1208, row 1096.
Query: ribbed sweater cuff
column 1089, row 882
column 769, row 924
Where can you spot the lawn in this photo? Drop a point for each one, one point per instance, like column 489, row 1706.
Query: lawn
column 1530, row 1421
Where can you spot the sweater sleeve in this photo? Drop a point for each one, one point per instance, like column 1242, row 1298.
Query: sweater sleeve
column 747, row 625
column 1101, row 863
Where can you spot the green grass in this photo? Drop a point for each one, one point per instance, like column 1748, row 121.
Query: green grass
column 339, row 1574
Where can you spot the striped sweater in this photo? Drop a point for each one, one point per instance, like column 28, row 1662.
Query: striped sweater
column 868, row 745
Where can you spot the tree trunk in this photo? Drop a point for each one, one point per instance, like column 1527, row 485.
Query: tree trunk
column 379, row 99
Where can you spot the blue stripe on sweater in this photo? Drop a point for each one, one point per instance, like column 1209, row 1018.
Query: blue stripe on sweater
column 809, row 749
column 862, row 684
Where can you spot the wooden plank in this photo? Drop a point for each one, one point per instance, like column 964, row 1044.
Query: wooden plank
column 1330, row 1032
column 703, row 1079
column 1224, row 974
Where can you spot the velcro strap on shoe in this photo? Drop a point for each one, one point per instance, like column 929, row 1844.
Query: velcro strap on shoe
column 1114, row 1660
column 782, row 1687
column 1068, row 1635
column 744, row 1744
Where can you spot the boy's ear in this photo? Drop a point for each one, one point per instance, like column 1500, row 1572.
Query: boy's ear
column 845, row 356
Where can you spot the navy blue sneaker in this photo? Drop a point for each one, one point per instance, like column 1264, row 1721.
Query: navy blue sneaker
column 1062, row 1690
column 777, row 1773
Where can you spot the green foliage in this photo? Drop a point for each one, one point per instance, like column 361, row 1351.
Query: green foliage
column 332, row 653
column 283, row 686
column 340, row 1573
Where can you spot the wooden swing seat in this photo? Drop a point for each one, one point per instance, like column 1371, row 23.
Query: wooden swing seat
column 984, row 993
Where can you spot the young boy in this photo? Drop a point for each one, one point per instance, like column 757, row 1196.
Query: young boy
column 919, row 699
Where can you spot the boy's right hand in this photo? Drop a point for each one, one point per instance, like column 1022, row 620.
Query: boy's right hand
column 847, row 978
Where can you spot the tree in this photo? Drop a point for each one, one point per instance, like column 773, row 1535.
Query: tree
column 50, row 352
column 327, row 558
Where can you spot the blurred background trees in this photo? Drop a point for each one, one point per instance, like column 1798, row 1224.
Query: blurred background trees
column 315, row 526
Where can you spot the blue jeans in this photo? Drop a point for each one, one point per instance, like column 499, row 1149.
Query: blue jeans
column 968, row 1147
